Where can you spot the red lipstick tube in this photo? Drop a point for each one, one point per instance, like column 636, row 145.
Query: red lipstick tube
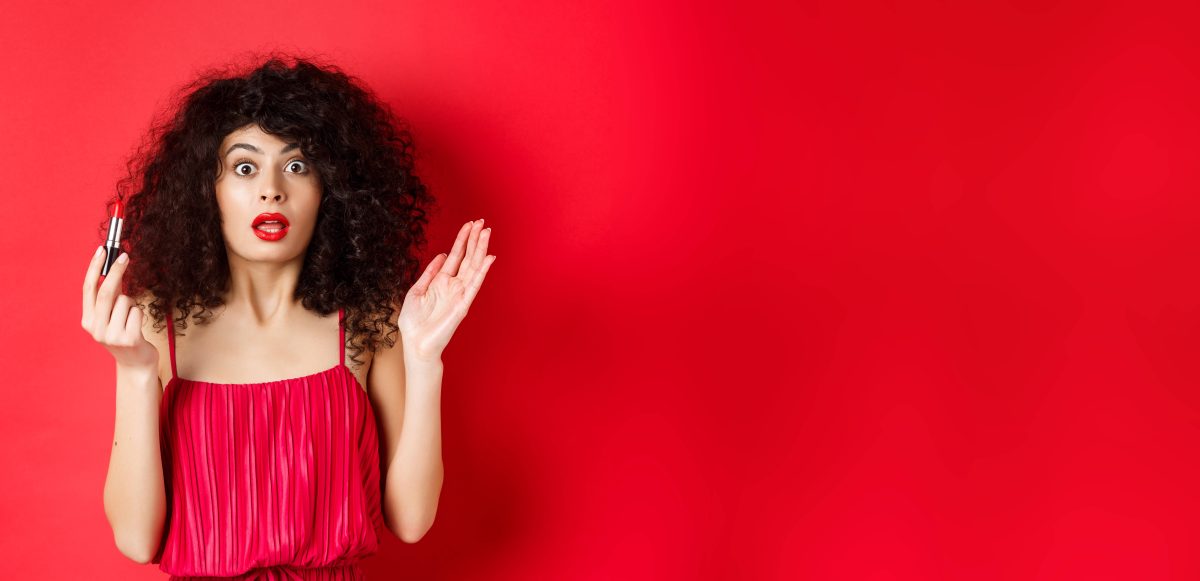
column 112, row 245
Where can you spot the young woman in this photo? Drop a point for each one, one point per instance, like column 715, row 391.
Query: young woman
column 278, row 211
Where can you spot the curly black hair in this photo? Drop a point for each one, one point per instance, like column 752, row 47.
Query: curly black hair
column 371, row 220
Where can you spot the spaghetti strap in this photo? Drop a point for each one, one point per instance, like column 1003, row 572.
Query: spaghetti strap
column 171, row 339
column 341, row 339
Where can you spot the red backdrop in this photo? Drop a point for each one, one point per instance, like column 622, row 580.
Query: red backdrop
column 793, row 290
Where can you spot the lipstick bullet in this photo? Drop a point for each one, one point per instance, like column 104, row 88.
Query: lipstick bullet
column 112, row 245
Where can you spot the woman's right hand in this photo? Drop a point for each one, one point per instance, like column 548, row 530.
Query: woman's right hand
column 113, row 319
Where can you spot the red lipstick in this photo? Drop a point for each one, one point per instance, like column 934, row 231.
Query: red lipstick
column 112, row 245
column 274, row 226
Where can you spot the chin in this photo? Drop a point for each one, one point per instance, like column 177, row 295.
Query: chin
column 279, row 251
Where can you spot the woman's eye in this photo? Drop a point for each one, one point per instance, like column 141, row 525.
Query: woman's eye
column 303, row 166
column 237, row 168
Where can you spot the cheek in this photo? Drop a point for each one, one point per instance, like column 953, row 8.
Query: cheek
column 222, row 195
column 223, row 208
column 231, row 216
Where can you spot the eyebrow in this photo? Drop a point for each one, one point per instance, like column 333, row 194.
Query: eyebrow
column 286, row 149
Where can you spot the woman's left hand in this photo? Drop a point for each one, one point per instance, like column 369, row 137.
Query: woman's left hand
column 439, row 300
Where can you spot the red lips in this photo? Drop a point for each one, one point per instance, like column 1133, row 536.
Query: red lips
column 273, row 216
column 267, row 234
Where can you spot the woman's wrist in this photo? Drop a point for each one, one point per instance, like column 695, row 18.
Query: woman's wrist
column 137, row 384
column 136, row 372
column 413, row 359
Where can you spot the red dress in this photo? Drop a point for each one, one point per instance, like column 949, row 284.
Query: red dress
column 269, row 480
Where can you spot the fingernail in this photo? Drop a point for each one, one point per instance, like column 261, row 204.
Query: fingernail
column 123, row 258
column 99, row 249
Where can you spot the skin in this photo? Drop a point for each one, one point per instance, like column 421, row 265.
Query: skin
column 262, row 334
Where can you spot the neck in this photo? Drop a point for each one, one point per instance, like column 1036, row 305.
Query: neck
column 264, row 290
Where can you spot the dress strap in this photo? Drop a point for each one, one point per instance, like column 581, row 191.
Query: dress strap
column 171, row 339
column 341, row 339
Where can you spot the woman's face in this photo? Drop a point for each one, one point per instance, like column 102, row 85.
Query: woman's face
column 262, row 174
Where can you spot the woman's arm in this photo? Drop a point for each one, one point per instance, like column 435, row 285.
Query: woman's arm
column 134, row 493
column 407, row 394
column 417, row 467
column 410, row 376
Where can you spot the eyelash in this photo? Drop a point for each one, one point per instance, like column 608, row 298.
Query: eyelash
column 242, row 161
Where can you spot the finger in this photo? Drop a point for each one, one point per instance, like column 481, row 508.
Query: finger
column 114, row 334
column 450, row 267
column 422, row 283
column 107, row 295
column 89, row 285
column 134, row 324
column 481, row 248
column 473, row 240
column 470, row 262
column 477, row 280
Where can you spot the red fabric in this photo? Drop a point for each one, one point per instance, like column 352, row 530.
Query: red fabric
column 270, row 480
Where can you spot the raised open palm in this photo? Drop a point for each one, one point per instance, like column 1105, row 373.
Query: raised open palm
column 440, row 299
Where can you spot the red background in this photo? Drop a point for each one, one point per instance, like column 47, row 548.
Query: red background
column 795, row 290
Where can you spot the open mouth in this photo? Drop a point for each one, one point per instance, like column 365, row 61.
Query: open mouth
column 270, row 226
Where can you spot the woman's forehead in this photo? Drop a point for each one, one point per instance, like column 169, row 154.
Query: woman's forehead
column 253, row 139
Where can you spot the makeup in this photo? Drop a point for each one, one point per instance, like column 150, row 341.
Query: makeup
column 112, row 246
column 270, row 227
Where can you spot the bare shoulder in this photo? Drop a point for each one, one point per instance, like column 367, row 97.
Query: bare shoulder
column 385, row 379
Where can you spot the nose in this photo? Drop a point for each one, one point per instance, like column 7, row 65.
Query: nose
column 271, row 192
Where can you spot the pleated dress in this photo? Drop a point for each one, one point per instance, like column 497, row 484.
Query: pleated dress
column 270, row 480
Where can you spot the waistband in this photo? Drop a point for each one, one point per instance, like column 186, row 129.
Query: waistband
column 347, row 572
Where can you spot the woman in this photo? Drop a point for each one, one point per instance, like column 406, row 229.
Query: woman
column 267, row 203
